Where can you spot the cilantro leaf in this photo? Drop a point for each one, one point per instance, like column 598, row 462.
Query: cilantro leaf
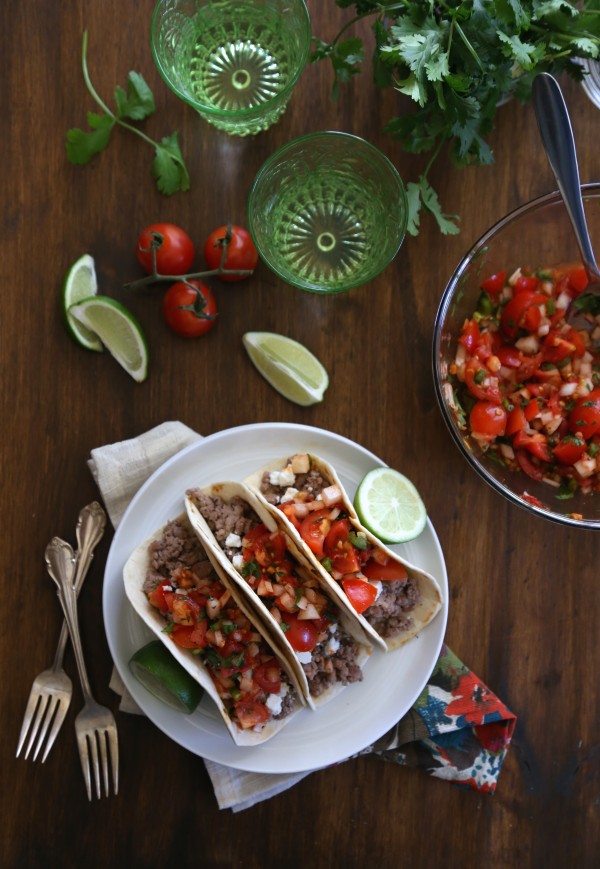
column 138, row 101
column 168, row 167
column 82, row 146
column 134, row 103
column 456, row 62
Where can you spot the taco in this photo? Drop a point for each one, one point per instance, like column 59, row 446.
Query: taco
column 200, row 616
column 392, row 599
column 326, row 647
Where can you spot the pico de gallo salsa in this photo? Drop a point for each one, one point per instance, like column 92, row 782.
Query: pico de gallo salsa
column 526, row 384
column 376, row 584
column 307, row 617
column 202, row 616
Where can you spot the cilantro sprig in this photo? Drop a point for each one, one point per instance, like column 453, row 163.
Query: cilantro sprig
column 135, row 103
column 456, row 60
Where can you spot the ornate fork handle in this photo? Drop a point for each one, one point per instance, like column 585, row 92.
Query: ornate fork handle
column 60, row 561
column 90, row 528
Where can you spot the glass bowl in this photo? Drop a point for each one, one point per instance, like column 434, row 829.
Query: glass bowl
column 327, row 212
column 537, row 234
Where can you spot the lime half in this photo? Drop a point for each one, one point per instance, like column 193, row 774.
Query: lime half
column 389, row 506
column 288, row 366
column 80, row 283
column 118, row 330
column 158, row 671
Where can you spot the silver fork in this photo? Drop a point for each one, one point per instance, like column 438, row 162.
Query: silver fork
column 95, row 725
column 52, row 689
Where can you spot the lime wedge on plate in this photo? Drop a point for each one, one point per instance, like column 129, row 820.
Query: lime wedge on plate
column 288, row 366
column 389, row 506
column 80, row 283
column 118, row 330
column 158, row 671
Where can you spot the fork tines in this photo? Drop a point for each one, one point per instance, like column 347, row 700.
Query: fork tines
column 96, row 747
column 45, row 707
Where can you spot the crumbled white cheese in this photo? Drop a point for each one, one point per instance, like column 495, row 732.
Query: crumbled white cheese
column 166, row 587
column 304, row 657
column 233, row 540
column 274, row 702
column 238, row 561
column 286, row 477
column 332, row 646
column 288, row 495
column 333, row 627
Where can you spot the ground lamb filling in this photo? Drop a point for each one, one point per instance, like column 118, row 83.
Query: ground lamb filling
column 334, row 658
column 389, row 615
column 179, row 562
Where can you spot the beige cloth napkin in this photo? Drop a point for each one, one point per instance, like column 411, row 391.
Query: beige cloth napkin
column 119, row 470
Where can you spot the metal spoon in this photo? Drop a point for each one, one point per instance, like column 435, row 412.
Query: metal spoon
column 557, row 137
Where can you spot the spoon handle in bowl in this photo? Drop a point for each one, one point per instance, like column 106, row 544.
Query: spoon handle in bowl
column 559, row 143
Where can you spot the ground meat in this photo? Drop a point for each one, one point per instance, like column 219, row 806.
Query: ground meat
column 178, row 547
column 311, row 482
column 389, row 615
column 224, row 517
column 325, row 670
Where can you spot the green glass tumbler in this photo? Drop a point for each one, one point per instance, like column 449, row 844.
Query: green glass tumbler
column 235, row 61
column 327, row 212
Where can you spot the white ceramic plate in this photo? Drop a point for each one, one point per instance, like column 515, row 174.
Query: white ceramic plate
column 357, row 716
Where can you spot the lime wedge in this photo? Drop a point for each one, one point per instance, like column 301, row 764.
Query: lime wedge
column 158, row 671
column 288, row 366
column 118, row 330
column 389, row 506
column 80, row 283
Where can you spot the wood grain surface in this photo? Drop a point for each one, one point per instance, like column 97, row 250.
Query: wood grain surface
column 524, row 604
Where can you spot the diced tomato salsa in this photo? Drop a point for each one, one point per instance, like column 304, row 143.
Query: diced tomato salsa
column 296, row 602
column 202, row 616
column 345, row 553
column 526, row 384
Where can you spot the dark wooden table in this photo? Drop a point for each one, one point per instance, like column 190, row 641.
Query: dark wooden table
column 524, row 609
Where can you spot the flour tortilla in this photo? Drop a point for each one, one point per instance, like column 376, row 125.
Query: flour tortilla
column 431, row 597
column 134, row 574
column 229, row 490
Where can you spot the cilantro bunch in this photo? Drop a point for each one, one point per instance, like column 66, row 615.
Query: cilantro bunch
column 134, row 104
column 456, row 60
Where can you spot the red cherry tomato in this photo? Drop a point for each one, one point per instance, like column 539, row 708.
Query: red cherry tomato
column 339, row 548
column 174, row 249
column 569, row 451
column 314, row 529
column 241, row 252
column 584, row 419
column 301, row 634
column 268, row 676
column 494, row 283
column 384, row 572
column 487, row 418
column 361, row 594
column 249, row 713
column 481, row 383
column 514, row 311
column 190, row 311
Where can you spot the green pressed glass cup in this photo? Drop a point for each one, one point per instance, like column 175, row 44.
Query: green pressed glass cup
column 327, row 212
column 235, row 61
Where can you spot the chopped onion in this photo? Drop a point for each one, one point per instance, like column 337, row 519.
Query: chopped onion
column 563, row 301
column 507, row 451
column 300, row 463
column 301, row 509
column 331, row 495
column 568, row 388
column 529, row 344
column 311, row 612
column 213, row 607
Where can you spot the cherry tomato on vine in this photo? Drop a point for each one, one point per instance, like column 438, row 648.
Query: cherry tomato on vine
column 174, row 249
column 241, row 253
column 190, row 311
